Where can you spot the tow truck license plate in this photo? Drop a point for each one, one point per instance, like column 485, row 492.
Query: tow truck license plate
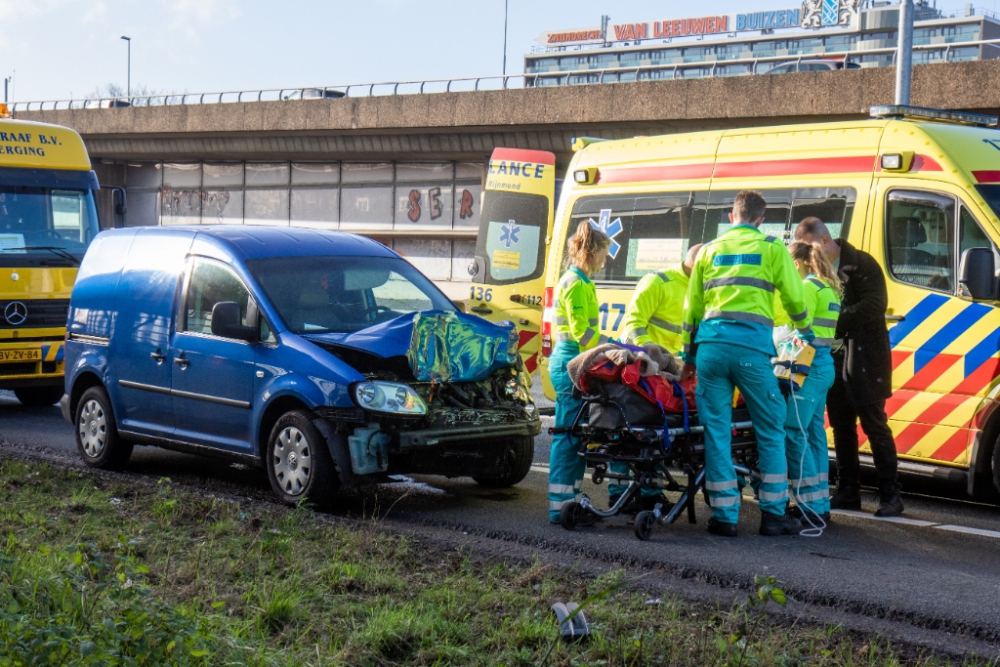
column 7, row 356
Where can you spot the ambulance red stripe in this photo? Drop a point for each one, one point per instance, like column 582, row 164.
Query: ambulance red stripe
column 802, row 167
column 953, row 447
column 987, row 176
column 678, row 172
column 523, row 155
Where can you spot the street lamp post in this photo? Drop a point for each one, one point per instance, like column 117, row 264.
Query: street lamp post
column 904, row 56
column 505, row 6
column 129, row 76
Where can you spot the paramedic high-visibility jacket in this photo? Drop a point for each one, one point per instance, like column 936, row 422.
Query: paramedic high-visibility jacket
column 823, row 303
column 730, row 297
column 576, row 316
column 656, row 310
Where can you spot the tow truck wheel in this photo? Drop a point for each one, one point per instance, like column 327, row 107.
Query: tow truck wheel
column 515, row 464
column 298, row 462
column 38, row 397
column 96, row 433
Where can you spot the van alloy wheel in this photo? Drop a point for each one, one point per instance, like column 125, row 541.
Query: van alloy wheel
column 93, row 428
column 292, row 461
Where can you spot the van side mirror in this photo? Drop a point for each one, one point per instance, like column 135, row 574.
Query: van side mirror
column 977, row 274
column 226, row 322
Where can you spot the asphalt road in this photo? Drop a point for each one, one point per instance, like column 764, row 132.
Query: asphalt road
column 936, row 568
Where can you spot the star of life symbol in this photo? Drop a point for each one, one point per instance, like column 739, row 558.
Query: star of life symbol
column 610, row 227
column 508, row 234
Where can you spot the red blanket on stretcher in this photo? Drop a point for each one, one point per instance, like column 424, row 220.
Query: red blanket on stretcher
column 654, row 388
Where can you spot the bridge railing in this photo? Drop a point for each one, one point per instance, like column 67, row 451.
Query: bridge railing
column 497, row 82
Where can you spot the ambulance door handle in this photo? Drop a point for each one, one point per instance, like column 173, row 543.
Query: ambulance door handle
column 895, row 318
column 481, row 310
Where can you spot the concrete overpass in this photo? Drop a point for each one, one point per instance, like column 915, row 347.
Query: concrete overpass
column 379, row 151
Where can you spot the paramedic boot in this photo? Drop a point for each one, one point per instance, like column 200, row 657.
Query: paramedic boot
column 846, row 498
column 889, row 501
column 722, row 528
column 774, row 524
column 796, row 512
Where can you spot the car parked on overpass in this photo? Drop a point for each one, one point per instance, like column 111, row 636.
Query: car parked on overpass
column 325, row 357
column 817, row 65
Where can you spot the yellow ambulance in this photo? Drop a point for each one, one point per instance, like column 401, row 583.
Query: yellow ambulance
column 47, row 219
column 919, row 189
column 508, row 275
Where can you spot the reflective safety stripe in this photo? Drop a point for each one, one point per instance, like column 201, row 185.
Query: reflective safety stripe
column 635, row 333
column 814, row 495
column 559, row 504
column 726, row 501
column 559, row 319
column 806, row 481
column 824, row 477
column 565, row 335
column 562, row 488
column 769, row 496
column 664, row 277
column 770, row 239
column 800, row 316
column 823, row 322
column 687, row 348
column 739, row 316
column 593, row 321
column 774, row 479
column 588, row 335
column 804, row 330
column 663, row 324
column 603, row 339
column 739, row 280
column 688, row 327
column 823, row 342
column 817, row 282
column 721, row 486
column 568, row 280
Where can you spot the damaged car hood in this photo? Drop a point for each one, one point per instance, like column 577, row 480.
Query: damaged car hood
column 440, row 346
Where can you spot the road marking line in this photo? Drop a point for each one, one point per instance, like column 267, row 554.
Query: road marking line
column 540, row 468
column 970, row 531
column 888, row 519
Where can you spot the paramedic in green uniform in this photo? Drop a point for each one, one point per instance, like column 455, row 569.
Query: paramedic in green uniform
column 728, row 322
column 576, row 329
column 655, row 315
column 805, row 442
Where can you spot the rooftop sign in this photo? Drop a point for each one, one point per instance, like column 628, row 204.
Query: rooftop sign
column 812, row 14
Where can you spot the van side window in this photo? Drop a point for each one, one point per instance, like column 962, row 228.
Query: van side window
column 920, row 239
column 211, row 283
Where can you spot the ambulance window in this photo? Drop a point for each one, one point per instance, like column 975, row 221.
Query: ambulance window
column 834, row 206
column 970, row 234
column 919, row 239
column 511, row 241
column 776, row 215
column 649, row 232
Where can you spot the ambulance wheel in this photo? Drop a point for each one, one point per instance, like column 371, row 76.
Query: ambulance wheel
column 298, row 462
column 38, row 397
column 515, row 462
column 570, row 515
column 97, row 437
column 644, row 524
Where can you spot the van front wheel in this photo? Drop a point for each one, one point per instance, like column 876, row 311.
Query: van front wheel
column 514, row 464
column 97, row 436
column 298, row 462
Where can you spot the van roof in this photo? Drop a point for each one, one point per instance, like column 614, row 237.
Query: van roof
column 41, row 146
column 262, row 242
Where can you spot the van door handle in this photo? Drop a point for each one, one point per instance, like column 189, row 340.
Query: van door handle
column 481, row 310
column 182, row 361
column 158, row 356
column 895, row 318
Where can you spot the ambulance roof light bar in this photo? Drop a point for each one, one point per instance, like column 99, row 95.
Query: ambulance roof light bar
column 927, row 113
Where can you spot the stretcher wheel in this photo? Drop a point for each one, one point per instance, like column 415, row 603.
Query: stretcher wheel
column 569, row 515
column 644, row 524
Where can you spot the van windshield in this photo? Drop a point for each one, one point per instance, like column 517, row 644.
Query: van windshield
column 333, row 294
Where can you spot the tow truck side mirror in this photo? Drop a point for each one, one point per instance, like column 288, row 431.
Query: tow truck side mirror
column 977, row 274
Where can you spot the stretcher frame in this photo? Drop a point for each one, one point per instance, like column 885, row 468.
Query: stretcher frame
column 650, row 456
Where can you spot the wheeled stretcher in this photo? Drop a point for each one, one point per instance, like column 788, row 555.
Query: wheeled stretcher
column 617, row 425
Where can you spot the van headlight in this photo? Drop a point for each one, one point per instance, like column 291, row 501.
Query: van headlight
column 389, row 397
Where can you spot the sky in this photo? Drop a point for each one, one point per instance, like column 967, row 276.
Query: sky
column 56, row 49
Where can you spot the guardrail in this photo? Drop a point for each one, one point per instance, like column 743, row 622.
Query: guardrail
column 497, row 82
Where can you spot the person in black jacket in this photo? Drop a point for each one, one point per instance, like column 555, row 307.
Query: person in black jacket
column 864, row 372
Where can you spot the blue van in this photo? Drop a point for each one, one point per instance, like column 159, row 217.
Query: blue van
column 324, row 357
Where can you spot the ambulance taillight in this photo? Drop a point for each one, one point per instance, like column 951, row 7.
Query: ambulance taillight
column 548, row 314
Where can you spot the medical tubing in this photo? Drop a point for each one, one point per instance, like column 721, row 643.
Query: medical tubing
column 813, row 530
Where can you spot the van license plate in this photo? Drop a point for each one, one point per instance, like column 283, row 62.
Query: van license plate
column 7, row 356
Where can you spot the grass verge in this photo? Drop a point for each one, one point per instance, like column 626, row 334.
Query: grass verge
column 99, row 571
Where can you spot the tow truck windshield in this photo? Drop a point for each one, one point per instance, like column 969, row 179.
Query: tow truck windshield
column 45, row 226
column 331, row 294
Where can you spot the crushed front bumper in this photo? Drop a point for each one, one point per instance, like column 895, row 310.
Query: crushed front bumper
column 444, row 436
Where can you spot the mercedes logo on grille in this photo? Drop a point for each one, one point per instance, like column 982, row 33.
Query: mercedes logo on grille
column 15, row 313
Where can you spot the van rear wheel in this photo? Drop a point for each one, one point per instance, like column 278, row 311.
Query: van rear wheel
column 299, row 464
column 515, row 462
column 97, row 437
column 38, row 397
